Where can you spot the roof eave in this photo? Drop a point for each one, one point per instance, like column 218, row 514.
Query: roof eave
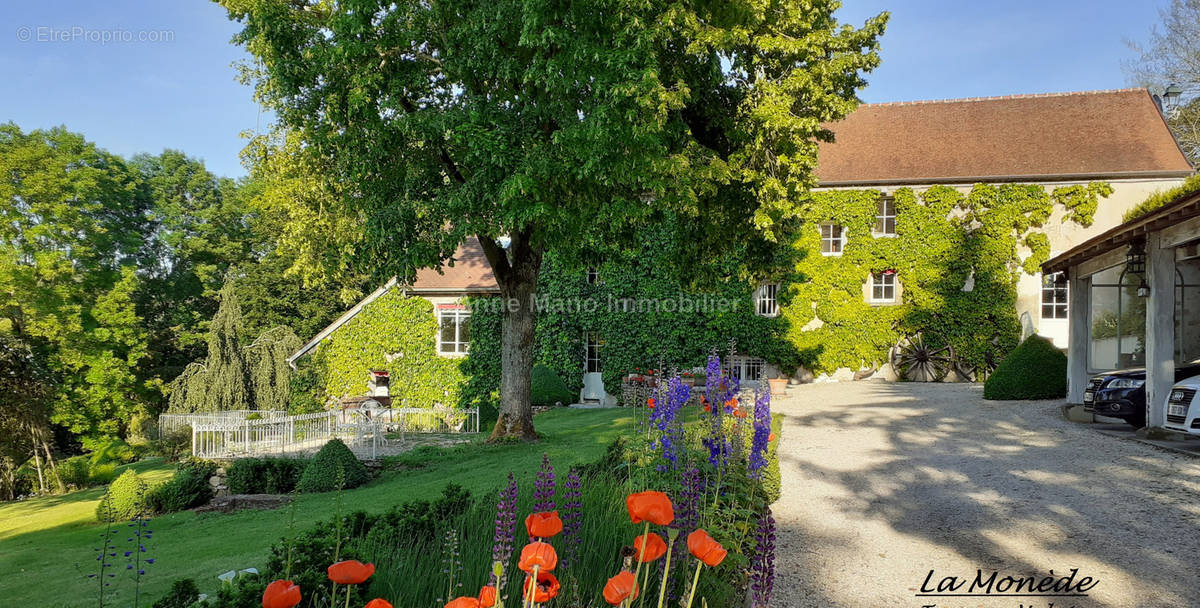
column 1185, row 207
column 988, row 179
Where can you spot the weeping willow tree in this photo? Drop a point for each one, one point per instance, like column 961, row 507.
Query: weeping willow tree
column 234, row 375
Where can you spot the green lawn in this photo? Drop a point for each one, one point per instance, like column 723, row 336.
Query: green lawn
column 47, row 543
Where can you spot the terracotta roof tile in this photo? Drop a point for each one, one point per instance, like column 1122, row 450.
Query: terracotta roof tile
column 471, row 272
column 1035, row 137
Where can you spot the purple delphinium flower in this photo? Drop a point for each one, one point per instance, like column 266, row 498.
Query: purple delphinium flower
column 762, row 562
column 762, row 434
column 543, row 492
column 666, row 414
column 572, row 517
column 506, row 520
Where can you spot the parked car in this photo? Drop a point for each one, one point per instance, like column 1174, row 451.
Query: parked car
column 1122, row 394
column 1183, row 413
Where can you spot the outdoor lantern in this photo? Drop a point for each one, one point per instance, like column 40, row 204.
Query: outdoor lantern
column 1135, row 259
column 1143, row 289
column 1171, row 95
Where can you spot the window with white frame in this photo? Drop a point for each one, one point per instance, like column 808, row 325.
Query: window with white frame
column 833, row 239
column 748, row 370
column 766, row 300
column 454, row 330
column 885, row 217
column 1054, row 296
column 883, row 286
column 593, row 345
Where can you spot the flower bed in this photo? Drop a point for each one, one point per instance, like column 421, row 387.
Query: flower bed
column 678, row 514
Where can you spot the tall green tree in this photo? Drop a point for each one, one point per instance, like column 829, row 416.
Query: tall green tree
column 26, row 395
column 1171, row 56
column 544, row 125
column 73, row 227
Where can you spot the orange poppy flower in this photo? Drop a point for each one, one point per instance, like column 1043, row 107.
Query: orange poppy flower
column 541, row 555
column 656, row 547
column 547, row 587
column 350, row 572
column 619, row 587
column 705, row 549
column 651, row 506
column 731, row 403
column 487, row 596
column 281, row 594
column 650, row 403
column 707, row 409
column 739, row 413
column 544, row 524
column 378, row 603
column 463, row 602
column 771, row 437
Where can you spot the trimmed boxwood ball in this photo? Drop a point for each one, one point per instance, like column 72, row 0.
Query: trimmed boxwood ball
column 546, row 388
column 321, row 475
column 124, row 500
column 1034, row 370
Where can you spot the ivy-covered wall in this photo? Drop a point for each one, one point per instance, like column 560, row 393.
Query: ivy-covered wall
column 943, row 238
column 394, row 333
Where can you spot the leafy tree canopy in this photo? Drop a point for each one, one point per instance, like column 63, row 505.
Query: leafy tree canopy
column 539, row 126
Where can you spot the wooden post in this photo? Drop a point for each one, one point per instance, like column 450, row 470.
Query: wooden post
column 1079, row 335
column 1160, row 329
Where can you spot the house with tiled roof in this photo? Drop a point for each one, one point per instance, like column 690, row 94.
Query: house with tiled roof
column 1118, row 138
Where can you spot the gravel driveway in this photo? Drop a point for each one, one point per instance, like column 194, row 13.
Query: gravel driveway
column 884, row 482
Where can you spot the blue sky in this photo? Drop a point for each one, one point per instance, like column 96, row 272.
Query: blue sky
column 138, row 96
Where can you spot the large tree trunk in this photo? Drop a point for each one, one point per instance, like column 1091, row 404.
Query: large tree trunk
column 516, row 272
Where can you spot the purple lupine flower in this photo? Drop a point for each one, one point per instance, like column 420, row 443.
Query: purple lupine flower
column 506, row 521
column 762, row 562
column 572, row 517
column 762, row 434
column 543, row 487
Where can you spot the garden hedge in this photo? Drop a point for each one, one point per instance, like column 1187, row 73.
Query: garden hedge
column 1034, row 370
column 124, row 500
column 265, row 475
column 185, row 490
column 546, row 388
column 335, row 467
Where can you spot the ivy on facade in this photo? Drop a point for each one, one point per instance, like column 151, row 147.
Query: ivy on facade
column 956, row 255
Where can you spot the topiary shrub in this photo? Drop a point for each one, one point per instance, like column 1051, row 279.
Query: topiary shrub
column 265, row 475
column 1034, row 370
column 546, row 388
column 334, row 467
column 186, row 489
column 124, row 500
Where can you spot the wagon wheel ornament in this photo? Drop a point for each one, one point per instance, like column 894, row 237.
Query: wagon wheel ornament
column 915, row 359
column 979, row 373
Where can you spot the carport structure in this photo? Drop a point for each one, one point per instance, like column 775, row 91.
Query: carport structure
column 1134, row 300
